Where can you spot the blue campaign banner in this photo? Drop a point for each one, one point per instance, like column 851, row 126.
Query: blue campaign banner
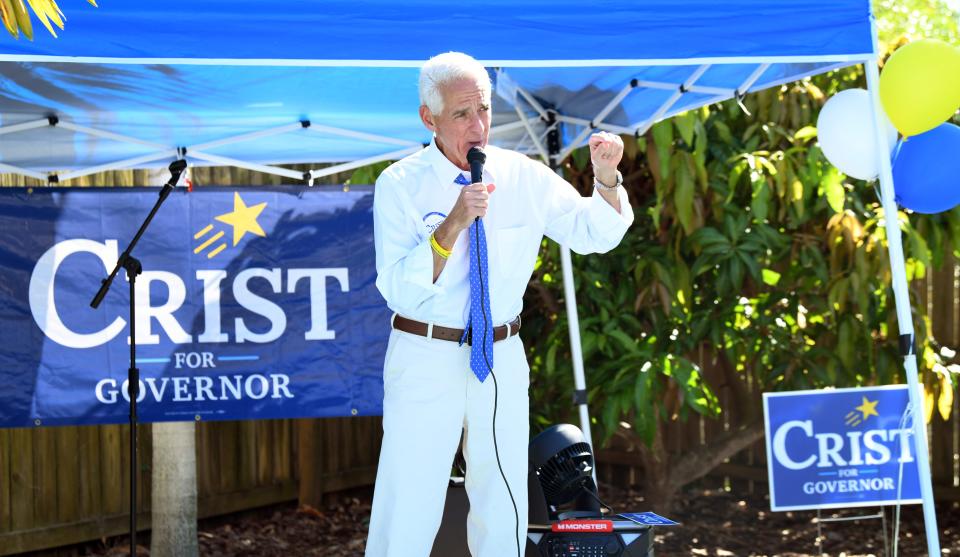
column 253, row 303
column 839, row 448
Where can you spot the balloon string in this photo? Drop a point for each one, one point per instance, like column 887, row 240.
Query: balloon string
column 896, row 152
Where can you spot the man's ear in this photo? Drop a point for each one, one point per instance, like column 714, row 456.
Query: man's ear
column 427, row 117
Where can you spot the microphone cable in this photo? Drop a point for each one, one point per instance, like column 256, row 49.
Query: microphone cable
column 496, row 450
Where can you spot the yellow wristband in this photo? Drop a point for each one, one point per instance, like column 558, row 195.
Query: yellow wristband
column 440, row 250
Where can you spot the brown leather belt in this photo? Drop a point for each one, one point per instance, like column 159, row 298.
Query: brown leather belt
column 430, row 330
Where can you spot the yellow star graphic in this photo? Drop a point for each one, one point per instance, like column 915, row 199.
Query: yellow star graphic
column 868, row 408
column 243, row 219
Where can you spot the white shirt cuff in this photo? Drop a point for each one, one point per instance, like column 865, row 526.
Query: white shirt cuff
column 419, row 269
column 607, row 220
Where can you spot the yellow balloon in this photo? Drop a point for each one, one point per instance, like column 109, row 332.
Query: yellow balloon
column 920, row 85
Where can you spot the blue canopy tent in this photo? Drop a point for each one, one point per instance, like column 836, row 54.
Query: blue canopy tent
column 255, row 84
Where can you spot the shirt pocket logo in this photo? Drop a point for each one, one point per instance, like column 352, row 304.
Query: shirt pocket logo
column 433, row 220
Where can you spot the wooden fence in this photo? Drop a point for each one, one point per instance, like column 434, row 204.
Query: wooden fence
column 66, row 485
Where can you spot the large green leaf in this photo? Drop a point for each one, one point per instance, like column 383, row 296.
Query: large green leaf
column 832, row 186
column 685, row 123
column 663, row 140
column 684, row 188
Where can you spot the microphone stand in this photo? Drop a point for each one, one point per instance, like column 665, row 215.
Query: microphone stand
column 133, row 268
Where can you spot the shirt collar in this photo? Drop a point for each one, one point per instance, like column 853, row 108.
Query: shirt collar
column 445, row 170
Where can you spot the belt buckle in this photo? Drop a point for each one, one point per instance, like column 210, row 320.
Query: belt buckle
column 512, row 331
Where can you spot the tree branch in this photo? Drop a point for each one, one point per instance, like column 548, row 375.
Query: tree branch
column 742, row 400
column 699, row 462
column 546, row 296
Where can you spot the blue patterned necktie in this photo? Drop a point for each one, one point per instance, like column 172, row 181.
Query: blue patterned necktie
column 479, row 327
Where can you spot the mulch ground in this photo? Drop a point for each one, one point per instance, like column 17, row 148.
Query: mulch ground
column 714, row 522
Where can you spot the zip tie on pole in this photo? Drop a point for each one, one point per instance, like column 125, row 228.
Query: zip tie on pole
column 305, row 123
column 53, row 179
column 907, row 345
column 580, row 396
column 53, row 119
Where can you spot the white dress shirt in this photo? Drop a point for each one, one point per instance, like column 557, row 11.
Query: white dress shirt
column 414, row 195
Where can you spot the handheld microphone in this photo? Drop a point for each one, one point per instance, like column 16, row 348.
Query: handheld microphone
column 476, row 157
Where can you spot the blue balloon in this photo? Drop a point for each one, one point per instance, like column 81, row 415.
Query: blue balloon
column 926, row 170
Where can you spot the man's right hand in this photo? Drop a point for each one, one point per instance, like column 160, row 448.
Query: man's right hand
column 471, row 204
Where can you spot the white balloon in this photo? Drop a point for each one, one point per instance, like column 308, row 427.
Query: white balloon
column 845, row 131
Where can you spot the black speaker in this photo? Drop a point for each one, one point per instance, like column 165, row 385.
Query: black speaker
column 560, row 476
column 560, row 487
column 563, row 495
column 628, row 539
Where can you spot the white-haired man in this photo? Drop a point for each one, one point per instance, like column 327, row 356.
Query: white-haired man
column 453, row 257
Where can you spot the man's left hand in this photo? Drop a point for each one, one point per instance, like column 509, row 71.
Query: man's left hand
column 606, row 150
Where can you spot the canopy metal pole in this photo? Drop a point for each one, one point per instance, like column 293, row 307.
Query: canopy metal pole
column 504, row 128
column 363, row 135
column 532, row 101
column 746, row 85
column 702, row 89
column 118, row 165
column 554, row 142
column 707, row 90
column 683, row 88
column 392, row 155
column 902, row 298
column 597, row 125
column 576, row 353
column 614, row 103
column 227, row 161
column 63, row 124
column 286, row 128
column 198, row 151
column 13, row 128
column 23, row 172
column 533, row 136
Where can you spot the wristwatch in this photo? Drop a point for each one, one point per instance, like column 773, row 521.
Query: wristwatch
column 600, row 185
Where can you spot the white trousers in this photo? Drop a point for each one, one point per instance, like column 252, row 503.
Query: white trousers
column 430, row 395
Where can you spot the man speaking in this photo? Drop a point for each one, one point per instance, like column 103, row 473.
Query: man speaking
column 457, row 228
